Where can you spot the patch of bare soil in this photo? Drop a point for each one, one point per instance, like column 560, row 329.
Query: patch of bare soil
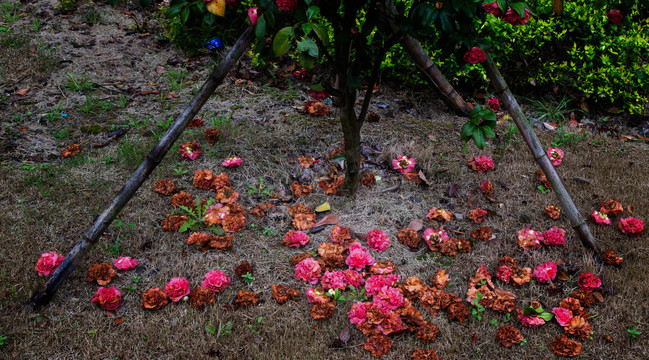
column 139, row 87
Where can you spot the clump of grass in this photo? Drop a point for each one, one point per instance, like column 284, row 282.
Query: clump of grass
column 91, row 16
column 176, row 79
column 79, row 83
column 131, row 153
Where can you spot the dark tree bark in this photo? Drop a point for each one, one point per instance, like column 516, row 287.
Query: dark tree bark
column 152, row 160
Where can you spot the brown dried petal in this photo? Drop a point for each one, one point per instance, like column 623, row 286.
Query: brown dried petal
column 458, row 311
column 378, row 345
column 260, row 209
column 219, row 181
column 315, row 108
column 201, row 296
column 430, row 298
column 173, row 222
column 331, row 255
column 322, row 311
column 333, row 187
column 222, row 243
column 409, row 238
column 448, row 247
column 70, row 150
column 246, row 299
column 299, row 257
column 182, row 199
column 571, row 304
column 565, row 347
column 427, row 333
column 553, row 211
column 195, row 123
column 424, row 354
column 508, row 336
column 413, row 177
column 412, row 287
column 447, row 299
column 482, row 233
column 409, row 315
column 234, row 222
column 203, row 179
column 165, row 187
column 579, row 327
column 610, row 258
column 508, row 261
column 226, row 195
column 368, row 179
column 301, row 190
column 521, row 276
column 611, row 208
column 154, row 299
column 199, row 239
column 212, row 135
column 585, row 298
column 282, row 293
column 304, row 221
column 102, row 273
column 242, row 269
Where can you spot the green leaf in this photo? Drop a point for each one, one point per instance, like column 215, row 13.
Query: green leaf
column 145, row 3
column 488, row 131
column 424, row 15
column 502, row 4
column 519, row 7
column 316, row 87
column 446, row 21
column 467, row 131
column 322, row 32
column 546, row 316
column 173, row 11
column 307, row 27
column 209, row 19
column 528, row 310
column 260, row 28
column 184, row 15
column 466, row 6
column 312, row 12
column 185, row 226
column 306, row 61
column 479, row 139
column 309, row 46
column 280, row 42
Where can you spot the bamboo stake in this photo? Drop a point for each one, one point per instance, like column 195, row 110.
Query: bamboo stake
column 576, row 220
column 152, row 160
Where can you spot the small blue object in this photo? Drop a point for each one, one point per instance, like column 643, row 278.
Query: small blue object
column 214, row 44
column 64, row 115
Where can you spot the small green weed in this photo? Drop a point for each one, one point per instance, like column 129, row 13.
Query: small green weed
column 131, row 153
column 113, row 249
column 9, row 11
column 92, row 16
column 109, row 160
column 269, row 231
column 259, row 190
column 79, row 84
column 62, row 133
column 196, row 216
column 176, row 79
column 255, row 327
column 222, row 331
column 543, row 189
column 36, row 25
column 633, row 333
column 479, row 309
column 247, row 278
column 55, row 114
column 180, row 169
column 94, row 106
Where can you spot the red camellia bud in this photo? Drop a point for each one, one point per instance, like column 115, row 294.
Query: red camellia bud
column 615, row 16
column 475, row 56
column 438, row 5
column 354, row 30
column 269, row 41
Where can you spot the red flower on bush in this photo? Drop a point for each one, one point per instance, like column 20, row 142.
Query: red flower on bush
column 253, row 15
column 493, row 102
column 589, row 282
column 493, row 9
column 108, row 298
column 287, row 5
column 631, row 226
column 475, row 56
column 48, row 262
column 515, row 19
column 615, row 16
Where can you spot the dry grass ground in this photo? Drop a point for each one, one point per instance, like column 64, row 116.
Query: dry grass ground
column 46, row 208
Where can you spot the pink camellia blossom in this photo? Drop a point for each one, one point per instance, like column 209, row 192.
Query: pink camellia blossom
column 125, row 263
column 232, row 161
column 377, row 240
column 493, row 9
column 555, row 155
column 296, row 239
column 504, row 273
column 600, row 218
column 493, row 102
column 216, row 280
column 189, row 150
column 403, row 164
column 358, row 257
column 530, row 320
column 253, row 15
column 481, row 163
column 388, row 298
column 435, row 237
column 382, row 268
column 631, row 226
column 478, row 215
column 308, row 270
column 545, row 272
column 589, row 282
column 358, row 314
column 475, row 56
column 615, row 16
column 554, row 236
column 48, row 262
column 334, row 280
column 529, row 239
column 287, row 5
column 562, row 315
column 108, row 298
column 515, row 19
column 177, row 288
column 374, row 284
column 353, row 278
column 486, row 187
column 317, row 296
column 356, row 246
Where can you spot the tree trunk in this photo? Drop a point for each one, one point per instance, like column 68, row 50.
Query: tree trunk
column 143, row 171
column 576, row 220
column 352, row 135
column 557, row 7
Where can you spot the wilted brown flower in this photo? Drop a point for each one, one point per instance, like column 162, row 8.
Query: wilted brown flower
column 507, row 261
column 322, row 311
column 282, row 293
column 222, row 243
column 378, row 345
column 521, row 276
column 299, row 257
column 579, row 327
column 508, row 336
column 339, row 234
column 409, row 315
column 440, row 214
column 203, row 179
column 333, row 187
column 409, row 238
column 234, row 222
column 165, row 187
column 242, row 269
column 487, row 187
column 246, row 299
column 373, row 117
column 195, row 123
column 424, row 354
column 483, row 233
column 447, row 299
column 199, row 239
column 201, row 296
column 102, row 273
column 430, row 298
column 173, row 222
column 610, row 258
column 611, row 208
column 585, row 298
column 565, row 347
column 220, row 180
column 301, row 190
column 505, row 301
column 154, row 299
column 458, row 311
column 299, row 209
column 412, row 287
column 553, row 211
column 543, row 179
column 260, row 209
column 70, row 150
column 315, row 108
column 440, row 279
column 304, row 221
column 306, row 161
column 571, row 304
column 427, row 333
column 331, row 255
column 463, row 245
column 448, row 247
column 182, row 199
column 413, row 177
column 368, row 179
column 226, row 195
column 212, row 135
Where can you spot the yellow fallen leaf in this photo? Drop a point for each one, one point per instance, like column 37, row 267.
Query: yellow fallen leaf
column 152, row 83
column 216, row 7
column 323, row 207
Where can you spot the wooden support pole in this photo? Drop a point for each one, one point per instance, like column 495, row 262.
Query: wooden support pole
column 568, row 206
column 152, row 160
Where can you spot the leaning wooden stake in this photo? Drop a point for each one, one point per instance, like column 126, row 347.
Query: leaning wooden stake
column 143, row 171
column 568, row 206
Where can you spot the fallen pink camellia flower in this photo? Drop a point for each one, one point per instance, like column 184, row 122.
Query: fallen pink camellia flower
column 48, row 262
column 232, row 161
column 529, row 239
column 545, row 272
column 600, row 218
column 481, row 163
column 562, row 315
column 631, row 226
column 308, row 270
column 177, row 289
column 296, row 239
column 554, row 236
column 530, row 320
column 589, row 282
column 334, row 280
column 125, row 263
column 377, row 240
column 555, row 155
column 358, row 257
column 108, row 298
column 403, row 164
column 216, row 280
column 189, row 150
